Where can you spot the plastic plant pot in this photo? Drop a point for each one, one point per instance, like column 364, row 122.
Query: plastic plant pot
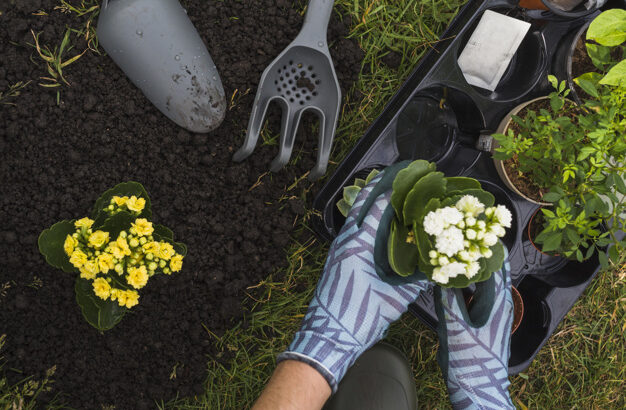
column 564, row 57
column 500, row 166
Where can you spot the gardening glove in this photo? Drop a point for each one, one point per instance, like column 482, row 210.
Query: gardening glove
column 352, row 307
column 474, row 346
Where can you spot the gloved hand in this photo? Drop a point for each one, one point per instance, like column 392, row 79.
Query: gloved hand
column 474, row 347
column 352, row 307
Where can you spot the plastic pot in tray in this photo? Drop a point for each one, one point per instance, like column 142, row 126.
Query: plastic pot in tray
column 438, row 117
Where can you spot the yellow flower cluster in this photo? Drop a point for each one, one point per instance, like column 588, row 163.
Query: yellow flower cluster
column 128, row 260
column 120, row 203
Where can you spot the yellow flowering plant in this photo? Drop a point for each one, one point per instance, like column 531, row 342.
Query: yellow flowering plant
column 114, row 253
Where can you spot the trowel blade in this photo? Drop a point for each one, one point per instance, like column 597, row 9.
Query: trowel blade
column 160, row 51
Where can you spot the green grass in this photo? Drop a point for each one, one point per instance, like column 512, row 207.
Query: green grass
column 582, row 365
column 23, row 395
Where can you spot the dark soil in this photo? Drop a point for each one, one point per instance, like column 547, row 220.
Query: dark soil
column 56, row 160
column 581, row 64
column 524, row 182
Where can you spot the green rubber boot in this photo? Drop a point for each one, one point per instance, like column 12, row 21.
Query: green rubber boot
column 381, row 379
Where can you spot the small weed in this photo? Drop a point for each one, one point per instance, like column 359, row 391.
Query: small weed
column 36, row 283
column 89, row 9
column 55, row 62
column 14, row 91
column 23, row 395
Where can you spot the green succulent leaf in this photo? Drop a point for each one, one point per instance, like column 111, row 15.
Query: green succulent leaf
column 124, row 189
column 424, row 245
column 430, row 186
column 163, row 231
column 616, row 75
column 404, row 182
column 350, row 193
column 609, row 28
column 496, row 260
column 403, row 256
column 101, row 314
column 344, row 207
column 373, row 174
column 51, row 242
column 117, row 223
column 483, row 196
column 461, row 184
column 179, row 247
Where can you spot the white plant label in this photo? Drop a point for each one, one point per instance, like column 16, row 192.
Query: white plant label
column 490, row 49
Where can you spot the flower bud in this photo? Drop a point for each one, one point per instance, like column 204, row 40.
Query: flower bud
column 133, row 261
column 111, row 207
column 443, row 261
column 433, row 254
column 486, row 252
column 461, row 225
column 134, row 243
column 98, row 253
column 162, row 264
column 149, row 256
column 167, row 271
column 75, row 236
column 434, row 262
column 481, row 225
column 119, row 268
column 123, row 234
column 470, row 221
column 152, row 266
column 150, row 238
column 143, row 240
column 470, row 234
column 133, row 231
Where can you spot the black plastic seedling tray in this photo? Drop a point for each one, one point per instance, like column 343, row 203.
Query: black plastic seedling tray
column 438, row 116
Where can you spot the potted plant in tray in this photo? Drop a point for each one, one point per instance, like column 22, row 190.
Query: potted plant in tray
column 573, row 157
column 595, row 50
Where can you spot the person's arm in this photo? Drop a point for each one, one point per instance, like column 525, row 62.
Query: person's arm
column 294, row 386
column 350, row 311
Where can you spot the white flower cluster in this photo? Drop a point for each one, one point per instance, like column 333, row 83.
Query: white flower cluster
column 463, row 234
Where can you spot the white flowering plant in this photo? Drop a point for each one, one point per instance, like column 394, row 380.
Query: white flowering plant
column 114, row 253
column 448, row 228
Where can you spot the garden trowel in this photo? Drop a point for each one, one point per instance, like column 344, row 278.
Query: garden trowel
column 159, row 49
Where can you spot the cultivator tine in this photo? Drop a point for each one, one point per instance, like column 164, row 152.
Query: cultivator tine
column 288, row 131
column 254, row 128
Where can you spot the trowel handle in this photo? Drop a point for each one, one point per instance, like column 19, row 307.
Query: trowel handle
column 315, row 26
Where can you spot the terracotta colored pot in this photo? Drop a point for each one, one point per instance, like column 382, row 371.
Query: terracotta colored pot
column 532, row 5
column 504, row 124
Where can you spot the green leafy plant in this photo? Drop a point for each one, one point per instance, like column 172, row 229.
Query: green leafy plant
column 351, row 192
column 114, row 253
column 577, row 154
column 606, row 37
column 444, row 227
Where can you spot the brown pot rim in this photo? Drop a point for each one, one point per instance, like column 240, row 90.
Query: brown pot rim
column 504, row 124
column 518, row 301
column 530, row 238
column 517, row 297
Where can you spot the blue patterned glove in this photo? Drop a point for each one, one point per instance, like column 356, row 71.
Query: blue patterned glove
column 352, row 307
column 474, row 347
